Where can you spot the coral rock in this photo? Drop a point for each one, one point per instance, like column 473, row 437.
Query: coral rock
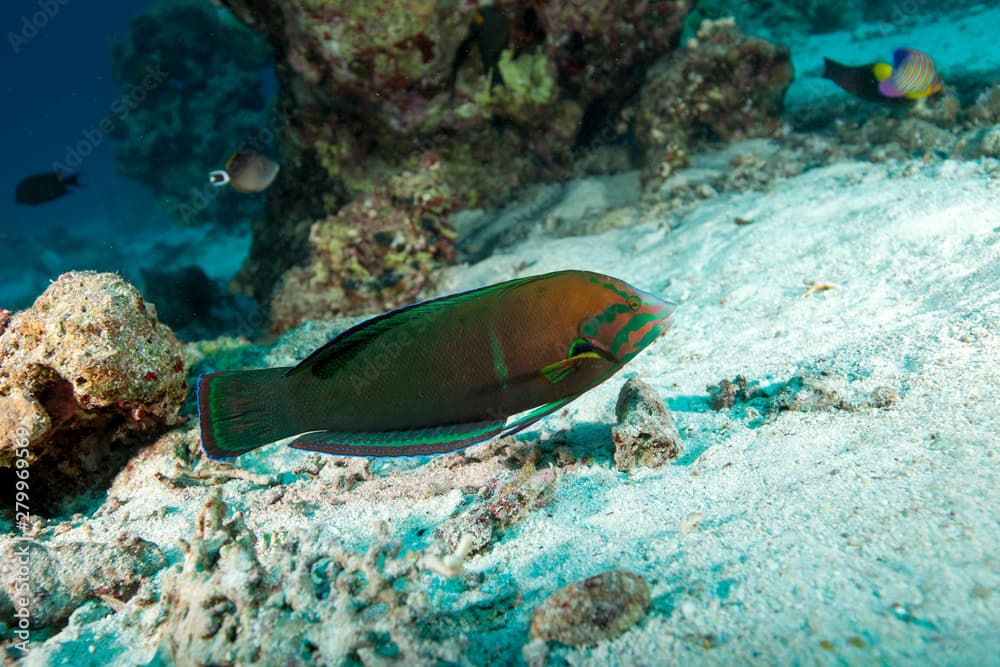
column 645, row 435
column 368, row 87
column 65, row 575
column 89, row 357
column 723, row 86
column 592, row 610
column 377, row 253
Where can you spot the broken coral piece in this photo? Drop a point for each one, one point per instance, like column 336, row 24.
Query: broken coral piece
column 592, row 610
column 645, row 435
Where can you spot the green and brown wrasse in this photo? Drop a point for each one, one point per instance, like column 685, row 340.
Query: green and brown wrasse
column 439, row 375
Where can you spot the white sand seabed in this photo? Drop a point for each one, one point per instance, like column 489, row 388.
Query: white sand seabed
column 875, row 530
column 880, row 525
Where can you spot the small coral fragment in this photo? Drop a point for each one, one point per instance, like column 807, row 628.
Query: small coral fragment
column 646, row 435
column 592, row 610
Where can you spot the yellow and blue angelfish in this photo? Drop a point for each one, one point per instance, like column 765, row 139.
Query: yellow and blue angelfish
column 912, row 75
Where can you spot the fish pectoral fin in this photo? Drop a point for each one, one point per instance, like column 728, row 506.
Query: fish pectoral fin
column 560, row 370
column 408, row 442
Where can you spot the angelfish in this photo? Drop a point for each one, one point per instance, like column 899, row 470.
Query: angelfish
column 246, row 171
column 910, row 76
column 439, row 375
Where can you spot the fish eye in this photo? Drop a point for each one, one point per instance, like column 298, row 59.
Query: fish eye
column 634, row 303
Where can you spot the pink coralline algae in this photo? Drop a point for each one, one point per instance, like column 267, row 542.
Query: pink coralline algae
column 722, row 86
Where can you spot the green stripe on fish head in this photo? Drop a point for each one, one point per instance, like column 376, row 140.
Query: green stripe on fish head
column 629, row 321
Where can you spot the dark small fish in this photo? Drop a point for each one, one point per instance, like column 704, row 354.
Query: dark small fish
column 41, row 188
column 246, row 171
column 490, row 30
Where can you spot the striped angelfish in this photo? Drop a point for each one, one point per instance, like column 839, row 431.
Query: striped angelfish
column 911, row 75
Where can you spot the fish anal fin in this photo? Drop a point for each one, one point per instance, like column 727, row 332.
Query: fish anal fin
column 409, row 442
column 526, row 420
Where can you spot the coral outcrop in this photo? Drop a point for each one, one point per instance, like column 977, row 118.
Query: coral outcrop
column 64, row 575
column 368, row 90
column 724, row 86
column 377, row 253
column 87, row 365
column 193, row 90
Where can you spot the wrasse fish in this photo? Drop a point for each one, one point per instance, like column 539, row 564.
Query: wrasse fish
column 246, row 171
column 439, row 375
column 910, row 76
column 42, row 188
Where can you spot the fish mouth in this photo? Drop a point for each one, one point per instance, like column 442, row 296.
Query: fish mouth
column 669, row 307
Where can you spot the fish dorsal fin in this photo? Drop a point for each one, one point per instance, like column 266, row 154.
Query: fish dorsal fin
column 325, row 361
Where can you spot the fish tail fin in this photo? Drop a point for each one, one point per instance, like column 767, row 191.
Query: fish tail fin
column 242, row 410
column 830, row 68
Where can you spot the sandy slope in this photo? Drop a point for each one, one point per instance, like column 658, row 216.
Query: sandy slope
column 827, row 534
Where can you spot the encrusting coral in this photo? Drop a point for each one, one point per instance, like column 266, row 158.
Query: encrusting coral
column 723, row 86
column 86, row 366
column 368, row 90
column 377, row 253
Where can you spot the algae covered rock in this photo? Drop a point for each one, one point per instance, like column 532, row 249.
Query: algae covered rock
column 86, row 365
column 645, row 435
column 723, row 86
column 376, row 254
column 64, row 575
column 367, row 89
column 592, row 610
